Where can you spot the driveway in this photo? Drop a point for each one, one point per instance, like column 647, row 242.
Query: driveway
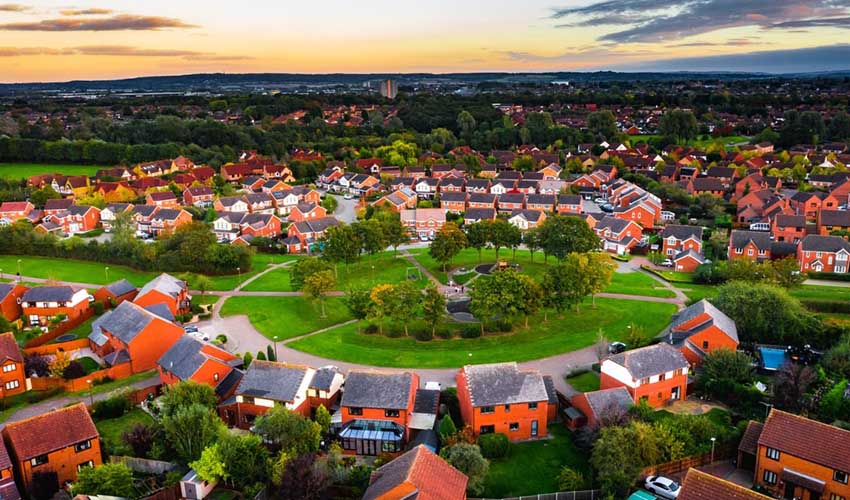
column 346, row 211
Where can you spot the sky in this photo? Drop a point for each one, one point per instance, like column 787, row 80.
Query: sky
column 60, row 40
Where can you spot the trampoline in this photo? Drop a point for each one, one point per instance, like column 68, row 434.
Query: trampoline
column 65, row 338
column 772, row 358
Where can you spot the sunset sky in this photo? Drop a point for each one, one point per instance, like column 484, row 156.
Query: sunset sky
column 65, row 40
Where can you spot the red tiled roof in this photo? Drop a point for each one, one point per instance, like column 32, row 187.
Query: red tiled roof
column 807, row 439
column 13, row 206
column 418, row 471
column 9, row 348
column 750, row 439
column 701, row 486
column 51, row 431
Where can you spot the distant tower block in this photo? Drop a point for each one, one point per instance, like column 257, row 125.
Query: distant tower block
column 389, row 88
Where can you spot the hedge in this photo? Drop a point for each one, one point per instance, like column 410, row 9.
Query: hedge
column 827, row 306
column 829, row 276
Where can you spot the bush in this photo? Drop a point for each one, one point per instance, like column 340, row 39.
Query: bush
column 571, row 480
column 38, row 396
column 97, row 307
column 827, row 306
column 38, row 365
column 222, row 338
column 140, row 439
column 493, row 445
column 423, row 335
column 112, row 407
column 105, row 380
column 444, row 332
column 75, row 369
column 829, row 276
column 371, row 328
column 470, row 331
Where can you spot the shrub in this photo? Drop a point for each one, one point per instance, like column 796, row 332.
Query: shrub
column 97, row 307
column 75, row 369
column 447, row 428
column 494, row 445
column 37, row 396
column 571, row 480
column 423, row 335
column 827, row 306
column 38, row 365
column 140, row 439
column 112, row 407
column 105, row 380
column 371, row 328
column 470, row 331
column 222, row 338
column 444, row 332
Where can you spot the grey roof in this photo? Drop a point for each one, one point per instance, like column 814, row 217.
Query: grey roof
column 529, row 215
column 121, row 287
column 164, row 283
column 479, row 214
column 482, row 197
column 717, row 318
column 708, row 184
column 167, row 213
column 229, row 382
column 125, row 322
column 814, row 243
column 569, row 199
column 550, row 389
column 5, row 289
column 512, row 198
column 117, row 357
column 541, row 199
column 681, row 232
column 271, row 380
column 785, row 220
column 316, row 225
column 323, row 378
column 650, row 360
column 503, row 383
column 607, row 399
column 453, row 196
column 690, row 253
column 161, row 310
column 371, row 389
column 740, row 239
column 427, row 401
column 184, row 358
column 835, row 218
column 615, row 224
column 49, row 294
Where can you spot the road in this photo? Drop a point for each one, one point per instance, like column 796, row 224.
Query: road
column 346, row 211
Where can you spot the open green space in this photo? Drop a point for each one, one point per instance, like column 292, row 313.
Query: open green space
column 819, row 292
column 112, row 429
column 584, row 382
column 694, row 291
column 16, row 171
column 570, row 332
column 370, row 270
column 637, row 283
column 468, row 259
column 533, row 467
column 723, row 140
column 286, row 317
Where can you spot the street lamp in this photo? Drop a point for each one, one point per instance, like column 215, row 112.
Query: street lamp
column 239, row 271
column 275, row 347
column 91, row 392
column 19, row 270
column 106, row 270
column 713, row 440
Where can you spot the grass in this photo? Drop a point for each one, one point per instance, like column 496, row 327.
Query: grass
column 117, row 384
column 463, row 278
column 724, row 140
column 205, row 299
column 11, row 404
column 89, row 364
column 286, row 317
column 675, row 276
column 532, row 467
column 696, row 291
column 468, row 258
column 369, row 271
column 112, row 429
column 636, row 283
column 584, row 382
column 570, row 332
column 17, row 171
column 817, row 292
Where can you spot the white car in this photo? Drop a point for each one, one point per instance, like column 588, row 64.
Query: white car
column 663, row 487
column 348, row 196
column 667, row 263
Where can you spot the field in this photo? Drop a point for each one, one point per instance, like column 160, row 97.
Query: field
column 111, row 430
column 286, row 317
column 723, row 140
column 17, row 171
column 570, row 332
column 637, row 283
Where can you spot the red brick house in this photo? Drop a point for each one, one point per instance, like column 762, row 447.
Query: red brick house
column 810, row 203
column 823, row 254
column 482, row 200
column 12, row 376
column 598, row 406
column 829, row 221
column 706, row 185
column 687, row 261
column 790, row 228
column 63, row 441
column 167, row 220
column 699, row 485
column 302, row 234
column 423, row 222
column 132, row 333
column 168, row 290
column 11, row 297
column 8, row 488
column 191, row 359
column 676, row 239
column 752, row 245
column 503, row 399
column 77, row 219
column 15, row 210
column 657, row 374
column 453, row 202
column 116, row 293
column 305, row 211
column 54, row 206
column 701, row 329
column 569, row 204
column 420, row 474
column 162, row 199
column 41, row 304
column 199, row 196
column 618, row 236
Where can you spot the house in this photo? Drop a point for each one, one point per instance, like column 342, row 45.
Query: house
column 329, row 176
column 823, row 254
column 261, row 224
column 115, row 293
column 199, row 196
column 452, row 185
column 63, row 441
column 801, row 458
column 597, row 407
column 427, row 187
column 12, row 376
column 504, row 399
column 304, row 211
column 687, row 261
column 700, row 329
column 541, row 202
column 53, row 207
column 8, row 488
column 699, row 485
column 77, row 219
column 15, row 210
column 569, row 204
column 115, row 191
column 790, row 228
column 657, row 374
column 131, row 333
column 551, row 171
column 418, row 474
column 526, row 219
column 509, row 202
column 111, row 211
column 676, row 239
column 752, row 245
column 810, row 203
column 706, row 185
column 262, row 203
column 453, row 202
column 478, row 186
column 191, row 359
column 833, row 221
column 618, row 236
column 226, row 226
column 302, row 234
column 423, row 222
column 376, row 411
column 41, row 304
column 481, row 200
column 167, row 220
column 166, row 289
column 11, row 297
column 231, row 204
column 142, row 215
column 162, row 199
column 474, row 215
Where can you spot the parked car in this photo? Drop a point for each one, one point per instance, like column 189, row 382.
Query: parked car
column 606, row 207
column 667, row 263
column 663, row 487
column 190, row 329
column 600, row 201
column 348, row 196
column 616, row 347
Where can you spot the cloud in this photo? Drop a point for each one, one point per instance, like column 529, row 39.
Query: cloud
column 732, row 42
column 13, row 7
column 123, row 22
column 671, row 20
column 807, row 60
column 118, row 51
column 574, row 56
column 29, row 51
column 86, row 12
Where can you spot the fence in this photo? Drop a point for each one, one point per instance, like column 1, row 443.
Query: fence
column 60, row 329
column 116, row 372
column 143, row 465
column 171, row 493
column 69, row 346
column 562, row 495
column 721, row 452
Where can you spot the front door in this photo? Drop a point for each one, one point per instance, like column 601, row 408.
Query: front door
column 676, row 394
column 534, row 427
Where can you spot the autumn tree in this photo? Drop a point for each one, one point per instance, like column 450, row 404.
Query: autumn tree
column 317, row 286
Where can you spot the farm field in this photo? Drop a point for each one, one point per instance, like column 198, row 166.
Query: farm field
column 16, row 171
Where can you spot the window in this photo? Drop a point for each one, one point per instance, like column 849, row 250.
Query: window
column 772, row 453
column 644, row 381
column 248, row 400
column 355, row 411
column 532, row 406
column 390, row 413
column 839, row 476
column 534, row 427
column 12, row 384
column 507, row 408
column 769, row 477
column 705, row 344
column 84, row 465
column 750, row 252
column 487, row 429
column 836, row 496
column 82, row 446
column 39, row 460
column 514, row 426
column 9, row 368
column 485, row 410
column 662, row 377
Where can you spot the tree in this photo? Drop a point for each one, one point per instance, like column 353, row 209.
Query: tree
column 571, row 480
column 302, row 479
column 289, row 431
column 139, row 438
column 448, row 242
column 317, row 286
column 447, row 428
column 112, row 479
column 342, row 244
column 330, row 204
column 245, row 459
column 304, row 268
column 727, row 364
column 202, row 283
column 792, row 383
column 402, row 308
column 210, row 466
column 433, row 307
column 61, row 361
column 786, row 272
column 323, row 418
column 467, row 458
column 465, row 123
column 502, row 234
column 383, row 299
column 190, row 429
column 562, row 235
column 567, row 283
column 371, row 236
column 531, row 239
column 602, row 124
column 679, row 124
column 837, row 359
column 394, row 232
column 185, row 393
column 477, row 236
column 531, row 297
column 600, row 271
column 359, row 303
column 500, row 295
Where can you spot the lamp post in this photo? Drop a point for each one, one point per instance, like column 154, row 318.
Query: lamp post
column 106, row 270
column 275, row 347
column 239, row 272
column 20, row 278
column 91, row 392
column 713, row 440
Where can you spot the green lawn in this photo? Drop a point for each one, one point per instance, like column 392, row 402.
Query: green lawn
column 117, row 384
column 89, row 364
column 369, row 271
column 286, row 317
column 468, row 258
column 724, row 140
column 111, row 430
column 584, row 382
column 817, row 292
column 558, row 335
column 637, row 283
column 533, row 467
column 696, row 291
column 16, row 171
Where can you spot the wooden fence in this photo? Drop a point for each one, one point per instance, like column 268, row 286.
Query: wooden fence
column 171, row 493
column 116, row 372
column 721, row 452
column 144, row 465
column 561, row 495
column 61, row 329
column 69, row 346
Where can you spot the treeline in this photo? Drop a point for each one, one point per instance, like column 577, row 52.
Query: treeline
column 192, row 248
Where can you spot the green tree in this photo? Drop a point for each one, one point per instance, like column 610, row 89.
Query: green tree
column 599, row 273
column 245, row 458
column 499, row 295
column 403, row 305
column 202, row 283
column 448, row 242
column 186, row 393
column 531, row 240
column 836, row 360
column 565, row 284
column 765, row 313
column 359, row 303
column 477, row 236
column 466, row 123
column 562, row 235
column 112, row 479
column 382, row 298
column 289, row 431
column 394, row 232
column 433, row 307
column 323, row 418
column 679, row 124
column 447, row 428
column 467, row 458
column 342, row 244
column 371, row 236
column 502, row 234
column 40, row 196
column 317, row 286
column 303, row 269
column 531, row 297
column 190, row 429
column 210, row 466
column 330, row 203
column 571, row 480
column 602, row 124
